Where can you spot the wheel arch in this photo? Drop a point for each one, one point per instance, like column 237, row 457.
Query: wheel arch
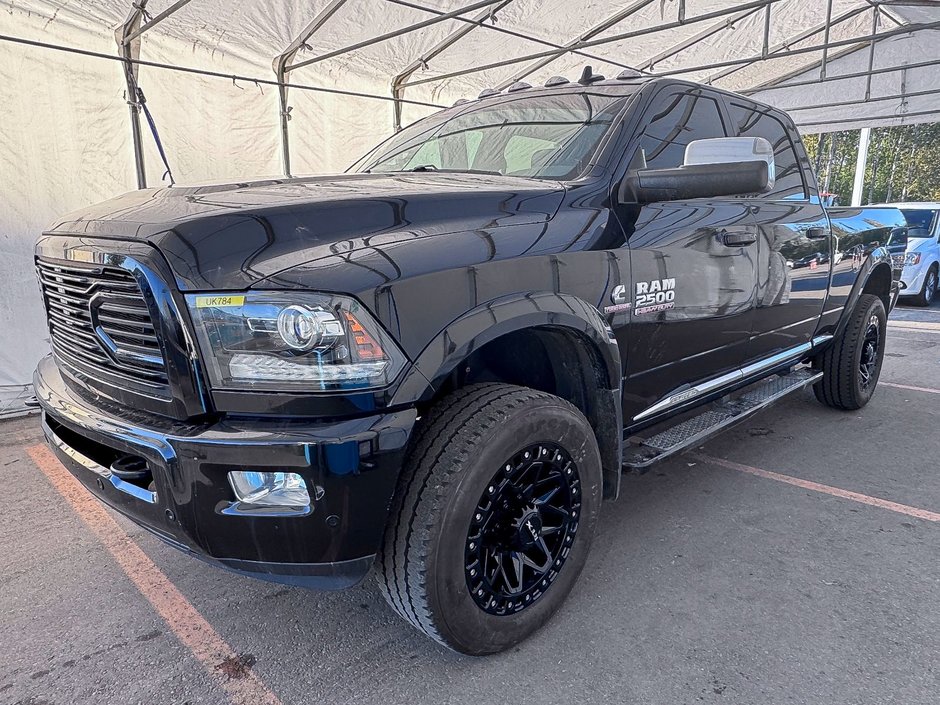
column 876, row 277
column 555, row 343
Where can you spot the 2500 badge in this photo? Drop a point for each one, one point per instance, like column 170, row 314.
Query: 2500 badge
column 655, row 295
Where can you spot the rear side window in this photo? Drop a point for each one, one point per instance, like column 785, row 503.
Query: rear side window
column 674, row 121
column 749, row 122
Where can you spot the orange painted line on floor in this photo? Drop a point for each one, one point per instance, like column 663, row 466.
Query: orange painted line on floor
column 826, row 489
column 929, row 390
column 190, row 627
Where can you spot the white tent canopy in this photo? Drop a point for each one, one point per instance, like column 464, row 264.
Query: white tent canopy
column 215, row 77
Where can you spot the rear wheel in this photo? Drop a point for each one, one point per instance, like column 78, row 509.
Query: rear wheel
column 851, row 365
column 493, row 518
column 929, row 290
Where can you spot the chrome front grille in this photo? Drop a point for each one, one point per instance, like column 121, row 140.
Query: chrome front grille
column 100, row 324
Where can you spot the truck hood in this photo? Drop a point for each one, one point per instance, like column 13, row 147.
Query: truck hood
column 232, row 236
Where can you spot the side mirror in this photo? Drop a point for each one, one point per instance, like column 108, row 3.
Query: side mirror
column 724, row 166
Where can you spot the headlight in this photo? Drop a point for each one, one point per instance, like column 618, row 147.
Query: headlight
column 292, row 341
column 911, row 259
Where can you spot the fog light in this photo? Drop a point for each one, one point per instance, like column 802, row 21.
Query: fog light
column 269, row 489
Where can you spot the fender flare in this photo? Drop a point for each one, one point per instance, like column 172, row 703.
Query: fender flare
column 517, row 312
column 878, row 261
column 496, row 318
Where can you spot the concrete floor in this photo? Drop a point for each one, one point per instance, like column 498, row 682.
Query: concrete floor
column 706, row 584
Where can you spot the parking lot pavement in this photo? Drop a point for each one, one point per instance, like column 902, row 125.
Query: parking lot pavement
column 707, row 583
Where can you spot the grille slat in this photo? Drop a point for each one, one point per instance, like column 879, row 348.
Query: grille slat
column 71, row 291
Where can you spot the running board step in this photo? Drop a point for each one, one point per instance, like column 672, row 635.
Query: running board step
column 643, row 452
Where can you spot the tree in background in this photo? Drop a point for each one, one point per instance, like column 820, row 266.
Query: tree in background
column 902, row 163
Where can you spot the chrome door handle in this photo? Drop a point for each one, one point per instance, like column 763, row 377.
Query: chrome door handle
column 736, row 239
column 817, row 233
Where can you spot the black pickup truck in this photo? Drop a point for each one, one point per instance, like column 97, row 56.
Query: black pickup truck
column 439, row 362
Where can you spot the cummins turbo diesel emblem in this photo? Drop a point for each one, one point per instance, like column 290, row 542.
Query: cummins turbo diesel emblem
column 655, row 295
column 619, row 298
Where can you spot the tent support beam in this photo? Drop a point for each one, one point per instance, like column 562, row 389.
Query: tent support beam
column 825, row 55
column 906, row 29
column 902, row 96
column 858, row 186
column 572, row 45
column 281, row 64
column 600, row 41
column 775, row 86
column 396, row 33
column 875, row 15
column 127, row 35
column 129, row 50
column 398, row 90
column 696, row 38
column 785, row 44
column 508, row 32
column 159, row 18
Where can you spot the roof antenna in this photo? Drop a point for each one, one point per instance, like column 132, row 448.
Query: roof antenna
column 588, row 77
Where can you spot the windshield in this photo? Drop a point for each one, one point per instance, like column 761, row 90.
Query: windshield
column 920, row 221
column 540, row 136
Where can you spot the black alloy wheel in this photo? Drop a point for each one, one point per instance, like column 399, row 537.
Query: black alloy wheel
column 870, row 360
column 493, row 518
column 521, row 532
column 851, row 363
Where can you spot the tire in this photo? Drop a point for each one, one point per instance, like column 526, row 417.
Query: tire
column 852, row 364
column 929, row 290
column 463, row 495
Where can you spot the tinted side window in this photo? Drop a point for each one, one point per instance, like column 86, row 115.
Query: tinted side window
column 753, row 123
column 673, row 122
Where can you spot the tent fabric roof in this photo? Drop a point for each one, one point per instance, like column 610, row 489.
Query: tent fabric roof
column 67, row 137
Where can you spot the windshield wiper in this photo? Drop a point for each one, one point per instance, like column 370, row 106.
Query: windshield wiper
column 431, row 167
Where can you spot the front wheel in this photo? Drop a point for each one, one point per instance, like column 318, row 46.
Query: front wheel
column 851, row 365
column 493, row 518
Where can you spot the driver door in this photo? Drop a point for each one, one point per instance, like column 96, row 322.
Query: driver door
column 693, row 264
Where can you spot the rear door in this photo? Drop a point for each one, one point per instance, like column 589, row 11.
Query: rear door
column 793, row 251
column 693, row 267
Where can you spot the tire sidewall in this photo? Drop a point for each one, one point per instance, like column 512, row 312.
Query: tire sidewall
column 876, row 308
column 469, row 628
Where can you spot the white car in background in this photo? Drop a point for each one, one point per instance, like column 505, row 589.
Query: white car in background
column 921, row 256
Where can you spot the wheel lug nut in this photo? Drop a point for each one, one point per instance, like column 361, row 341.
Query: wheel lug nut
column 526, row 454
column 472, row 545
column 491, row 489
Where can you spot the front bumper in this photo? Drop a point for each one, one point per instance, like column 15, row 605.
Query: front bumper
column 912, row 280
column 350, row 467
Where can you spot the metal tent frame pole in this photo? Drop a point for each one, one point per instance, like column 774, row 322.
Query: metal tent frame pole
column 864, row 39
column 398, row 90
column 698, row 37
column 127, row 35
column 772, row 52
column 508, row 32
column 599, row 42
column 395, row 33
column 282, row 63
column 775, row 86
column 571, row 46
